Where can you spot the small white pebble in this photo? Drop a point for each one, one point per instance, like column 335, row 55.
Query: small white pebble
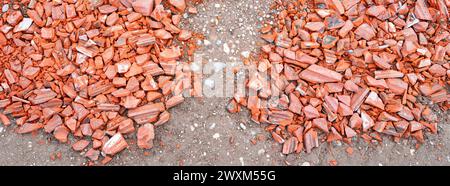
column 411, row 151
column 217, row 5
column 209, row 83
column 216, row 135
column 241, row 159
column 5, row 7
column 245, row 54
column 261, row 151
column 218, row 66
column 226, row 48
column 212, row 126
column 1, row 129
column 243, row 127
column 306, row 163
column 379, row 164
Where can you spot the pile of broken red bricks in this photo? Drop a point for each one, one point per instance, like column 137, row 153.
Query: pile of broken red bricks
column 96, row 69
column 105, row 70
column 344, row 69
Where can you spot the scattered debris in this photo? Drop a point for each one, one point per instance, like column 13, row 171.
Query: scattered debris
column 96, row 70
column 337, row 70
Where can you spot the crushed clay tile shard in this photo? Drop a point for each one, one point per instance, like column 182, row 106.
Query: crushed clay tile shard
column 329, row 41
column 349, row 132
column 80, row 111
column 23, row 25
column 130, row 102
column 290, row 145
column 123, row 66
column 305, row 58
column 31, row 72
column 415, row 126
column 126, row 126
column 337, row 5
column 4, row 120
column 334, row 22
column 108, row 107
column 295, row 105
column 437, row 70
column 282, row 118
column 173, row 101
column 377, row 11
column 184, row 35
column 319, row 74
column 145, row 136
column 383, row 74
column 80, row 145
column 379, row 83
column 397, row 86
column 440, row 96
column 367, row 121
column 421, row 10
column 330, row 56
column 87, row 51
column 162, row 34
column 379, row 126
column 92, row 154
column 42, row 96
column 14, row 17
column 332, row 103
column 163, row 118
column 315, row 26
column 145, row 7
column 374, row 100
column 418, row 135
column 61, row 133
column 333, row 135
column 180, row 5
column 277, row 137
column 358, row 98
column 427, row 89
column 290, row 73
column 47, row 33
column 51, row 124
column 107, row 9
column 145, row 40
column 146, row 113
column 365, row 31
column 114, row 145
column 381, row 62
column 311, row 140
column 406, row 113
column 384, row 116
column 169, row 54
column 10, row 76
column 233, row 106
column 29, row 127
column 348, row 26
column 310, row 112
column 401, row 127
column 344, row 110
column 321, row 123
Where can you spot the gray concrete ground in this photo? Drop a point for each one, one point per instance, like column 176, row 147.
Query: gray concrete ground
column 200, row 130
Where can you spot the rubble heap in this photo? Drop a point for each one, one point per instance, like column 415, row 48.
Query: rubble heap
column 349, row 69
column 99, row 70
